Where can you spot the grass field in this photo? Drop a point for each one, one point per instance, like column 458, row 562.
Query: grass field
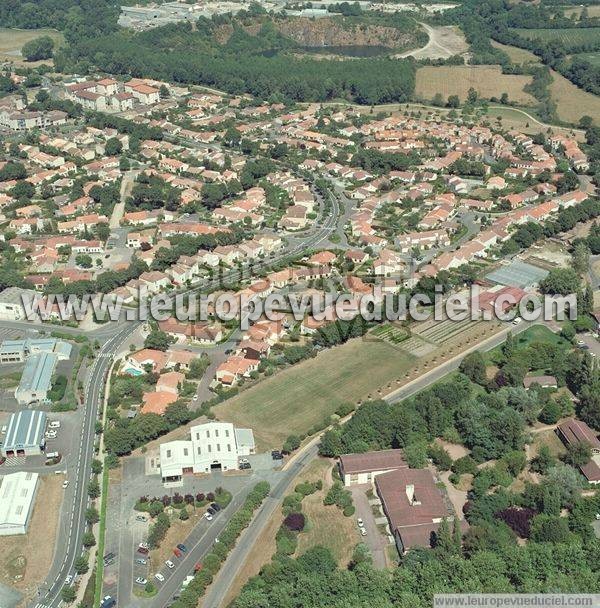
column 516, row 54
column 593, row 58
column 326, row 526
column 294, row 400
column 488, row 81
column 12, row 40
column 572, row 102
column 593, row 11
column 568, row 36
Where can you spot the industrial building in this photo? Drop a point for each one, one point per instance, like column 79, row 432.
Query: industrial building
column 213, row 446
column 25, row 434
column 36, row 379
column 17, row 351
column 17, row 495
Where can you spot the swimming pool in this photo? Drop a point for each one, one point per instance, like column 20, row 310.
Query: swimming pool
column 133, row 372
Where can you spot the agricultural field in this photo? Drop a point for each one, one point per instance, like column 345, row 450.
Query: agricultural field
column 488, row 81
column 516, row 54
column 390, row 333
column 593, row 11
column 573, row 102
column 296, row 399
column 11, row 41
column 568, row 37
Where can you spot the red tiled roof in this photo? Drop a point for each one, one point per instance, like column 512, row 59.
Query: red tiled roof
column 372, row 461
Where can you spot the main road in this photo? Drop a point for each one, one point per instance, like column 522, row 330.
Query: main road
column 116, row 334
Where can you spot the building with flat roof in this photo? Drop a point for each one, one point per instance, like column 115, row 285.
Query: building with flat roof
column 413, row 505
column 363, row 468
column 17, row 495
column 212, row 446
column 16, row 351
column 36, row 379
column 25, row 434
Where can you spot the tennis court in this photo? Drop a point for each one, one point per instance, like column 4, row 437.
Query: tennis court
column 517, row 274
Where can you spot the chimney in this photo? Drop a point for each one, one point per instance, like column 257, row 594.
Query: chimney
column 410, row 494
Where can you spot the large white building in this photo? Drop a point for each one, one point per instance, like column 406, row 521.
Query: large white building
column 213, row 446
column 17, row 495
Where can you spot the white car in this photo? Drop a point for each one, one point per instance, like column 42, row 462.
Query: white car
column 169, row 564
column 55, row 424
column 195, row 398
column 580, row 343
column 363, row 532
column 159, row 577
column 517, row 321
column 360, row 523
column 208, row 516
column 65, row 484
column 51, row 434
column 140, row 580
column 69, row 579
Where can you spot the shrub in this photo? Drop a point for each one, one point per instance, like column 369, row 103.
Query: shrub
column 294, row 522
column 518, row 520
column 349, row 511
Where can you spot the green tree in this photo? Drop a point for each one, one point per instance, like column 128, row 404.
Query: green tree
column 68, row 595
column 157, row 340
column 113, row 147
column 562, row 281
column 473, row 366
column 81, row 564
column 578, row 454
column 38, row 48
column 84, row 260
column 89, row 540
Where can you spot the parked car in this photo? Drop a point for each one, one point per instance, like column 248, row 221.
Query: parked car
column 517, row 321
column 198, row 567
column 243, row 460
column 65, row 484
column 141, row 518
column 108, row 602
column 211, row 511
column 140, row 580
column 159, row 577
column 208, row 516
column 109, row 558
column 176, row 552
column 276, row 455
column 215, row 506
column 54, row 424
column 143, row 548
column 51, row 434
column 363, row 532
column 245, row 465
column 360, row 523
column 169, row 564
column 182, row 547
column 141, row 561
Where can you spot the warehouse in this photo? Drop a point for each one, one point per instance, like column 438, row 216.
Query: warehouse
column 11, row 303
column 25, row 434
column 16, row 351
column 213, row 446
column 36, row 380
column 17, row 495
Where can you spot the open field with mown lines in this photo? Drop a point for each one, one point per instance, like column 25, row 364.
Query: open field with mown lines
column 488, row 81
column 593, row 11
column 593, row 58
column 569, row 37
column 296, row 399
column 12, row 40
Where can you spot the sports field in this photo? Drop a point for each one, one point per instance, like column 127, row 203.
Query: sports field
column 296, row 399
column 487, row 80
column 569, row 37
column 11, row 41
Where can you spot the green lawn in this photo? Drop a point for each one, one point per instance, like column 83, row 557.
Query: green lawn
column 296, row 399
column 593, row 58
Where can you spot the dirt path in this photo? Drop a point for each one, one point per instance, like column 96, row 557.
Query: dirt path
column 119, row 208
column 443, row 42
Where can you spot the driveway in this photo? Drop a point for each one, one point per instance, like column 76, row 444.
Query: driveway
column 376, row 542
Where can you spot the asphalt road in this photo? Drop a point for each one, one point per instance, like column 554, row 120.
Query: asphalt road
column 69, row 547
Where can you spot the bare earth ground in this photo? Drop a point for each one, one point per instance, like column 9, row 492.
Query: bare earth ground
column 11, row 41
column 573, row 102
column 488, row 81
column 444, row 42
column 25, row 559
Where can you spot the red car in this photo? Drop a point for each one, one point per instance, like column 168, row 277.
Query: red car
column 198, row 567
column 177, row 552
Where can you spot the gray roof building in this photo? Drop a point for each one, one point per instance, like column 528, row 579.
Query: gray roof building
column 37, row 378
column 25, row 433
